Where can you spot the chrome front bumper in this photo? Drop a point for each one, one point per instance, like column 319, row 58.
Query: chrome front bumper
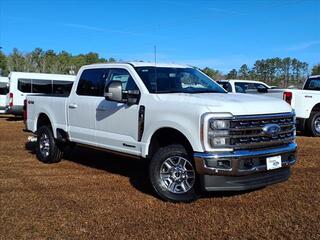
column 242, row 162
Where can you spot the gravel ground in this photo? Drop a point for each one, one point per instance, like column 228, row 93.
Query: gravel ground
column 94, row 195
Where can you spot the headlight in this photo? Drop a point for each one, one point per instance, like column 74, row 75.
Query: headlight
column 219, row 124
column 215, row 131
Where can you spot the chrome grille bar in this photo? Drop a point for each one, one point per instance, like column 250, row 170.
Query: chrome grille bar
column 247, row 131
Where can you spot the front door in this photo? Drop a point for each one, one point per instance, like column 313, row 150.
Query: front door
column 117, row 123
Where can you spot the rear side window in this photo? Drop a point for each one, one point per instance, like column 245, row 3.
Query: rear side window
column 243, row 87
column 312, row 84
column 62, row 87
column 92, row 82
column 4, row 89
column 24, row 85
column 41, row 86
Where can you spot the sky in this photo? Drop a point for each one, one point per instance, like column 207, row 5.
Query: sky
column 218, row 34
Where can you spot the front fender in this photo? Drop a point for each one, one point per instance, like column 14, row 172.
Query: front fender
column 192, row 134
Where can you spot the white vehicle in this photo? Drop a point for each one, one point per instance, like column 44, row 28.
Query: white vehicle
column 306, row 103
column 22, row 84
column 4, row 88
column 191, row 130
column 251, row 87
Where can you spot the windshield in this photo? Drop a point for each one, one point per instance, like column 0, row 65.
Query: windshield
column 247, row 87
column 312, row 84
column 177, row 80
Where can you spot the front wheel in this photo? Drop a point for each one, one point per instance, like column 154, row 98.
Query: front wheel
column 172, row 174
column 47, row 148
column 313, row 124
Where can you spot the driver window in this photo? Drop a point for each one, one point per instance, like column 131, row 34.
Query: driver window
column 124, row 77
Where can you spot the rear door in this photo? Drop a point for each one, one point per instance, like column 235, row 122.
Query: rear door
column 82, row 105
column 4, row 89
column 117, row 123
column 20, row 91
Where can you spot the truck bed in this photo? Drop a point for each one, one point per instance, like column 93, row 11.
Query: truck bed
column 54, row 106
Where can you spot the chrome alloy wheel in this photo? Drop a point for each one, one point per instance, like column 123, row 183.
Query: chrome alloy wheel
column 316, row 124
column 44, row 145
column 177, row 174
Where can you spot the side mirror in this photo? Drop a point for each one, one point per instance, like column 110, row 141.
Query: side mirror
column 113, row 92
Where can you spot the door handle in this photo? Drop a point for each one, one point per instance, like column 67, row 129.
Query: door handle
column 308, row 96
column 73, row 106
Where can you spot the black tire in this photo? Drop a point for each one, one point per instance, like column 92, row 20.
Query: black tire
column 54, row 152
column 311, row 124
column 172, row 152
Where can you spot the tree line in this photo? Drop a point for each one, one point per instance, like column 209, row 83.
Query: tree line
column 282, row 71
column 274, row 71
column 47, row 61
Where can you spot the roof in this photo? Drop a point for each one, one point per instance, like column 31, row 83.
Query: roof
column 41, row 75
column 240, row 80
column 144, row 64
column 315, row 76
column 153, row 64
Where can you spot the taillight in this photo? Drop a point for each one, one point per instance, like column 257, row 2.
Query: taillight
column 10, row 100
column 25, row 112
column 287, row 96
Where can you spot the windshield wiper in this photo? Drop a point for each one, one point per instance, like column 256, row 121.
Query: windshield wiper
column 181, row 91
column 207, row 91
column 169, row 92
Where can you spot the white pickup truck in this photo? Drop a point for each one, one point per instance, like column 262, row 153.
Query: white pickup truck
column 194, row 134
column 250, row 87
column 306, row 103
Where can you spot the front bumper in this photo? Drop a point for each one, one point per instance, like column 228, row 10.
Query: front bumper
column 246, row 169
column 212, row 183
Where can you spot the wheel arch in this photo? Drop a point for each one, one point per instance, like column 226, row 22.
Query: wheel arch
column 316, row 108
column 167, row 135
column 44, row 120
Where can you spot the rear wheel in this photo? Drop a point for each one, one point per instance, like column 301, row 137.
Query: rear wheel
column 313, row 124
column 172, row 174
column 47, row 148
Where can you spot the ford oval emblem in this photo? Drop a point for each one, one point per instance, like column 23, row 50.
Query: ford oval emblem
column 271, row 129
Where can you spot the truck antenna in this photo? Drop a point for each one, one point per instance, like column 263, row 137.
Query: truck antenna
column 155, row 67
column 155, row 55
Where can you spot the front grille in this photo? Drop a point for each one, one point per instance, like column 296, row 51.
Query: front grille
column 246, row 132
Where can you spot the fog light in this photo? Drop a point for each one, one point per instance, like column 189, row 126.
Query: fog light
column 226, row 164
column 220, row 164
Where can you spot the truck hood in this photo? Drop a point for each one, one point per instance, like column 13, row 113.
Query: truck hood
column 235, row 103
